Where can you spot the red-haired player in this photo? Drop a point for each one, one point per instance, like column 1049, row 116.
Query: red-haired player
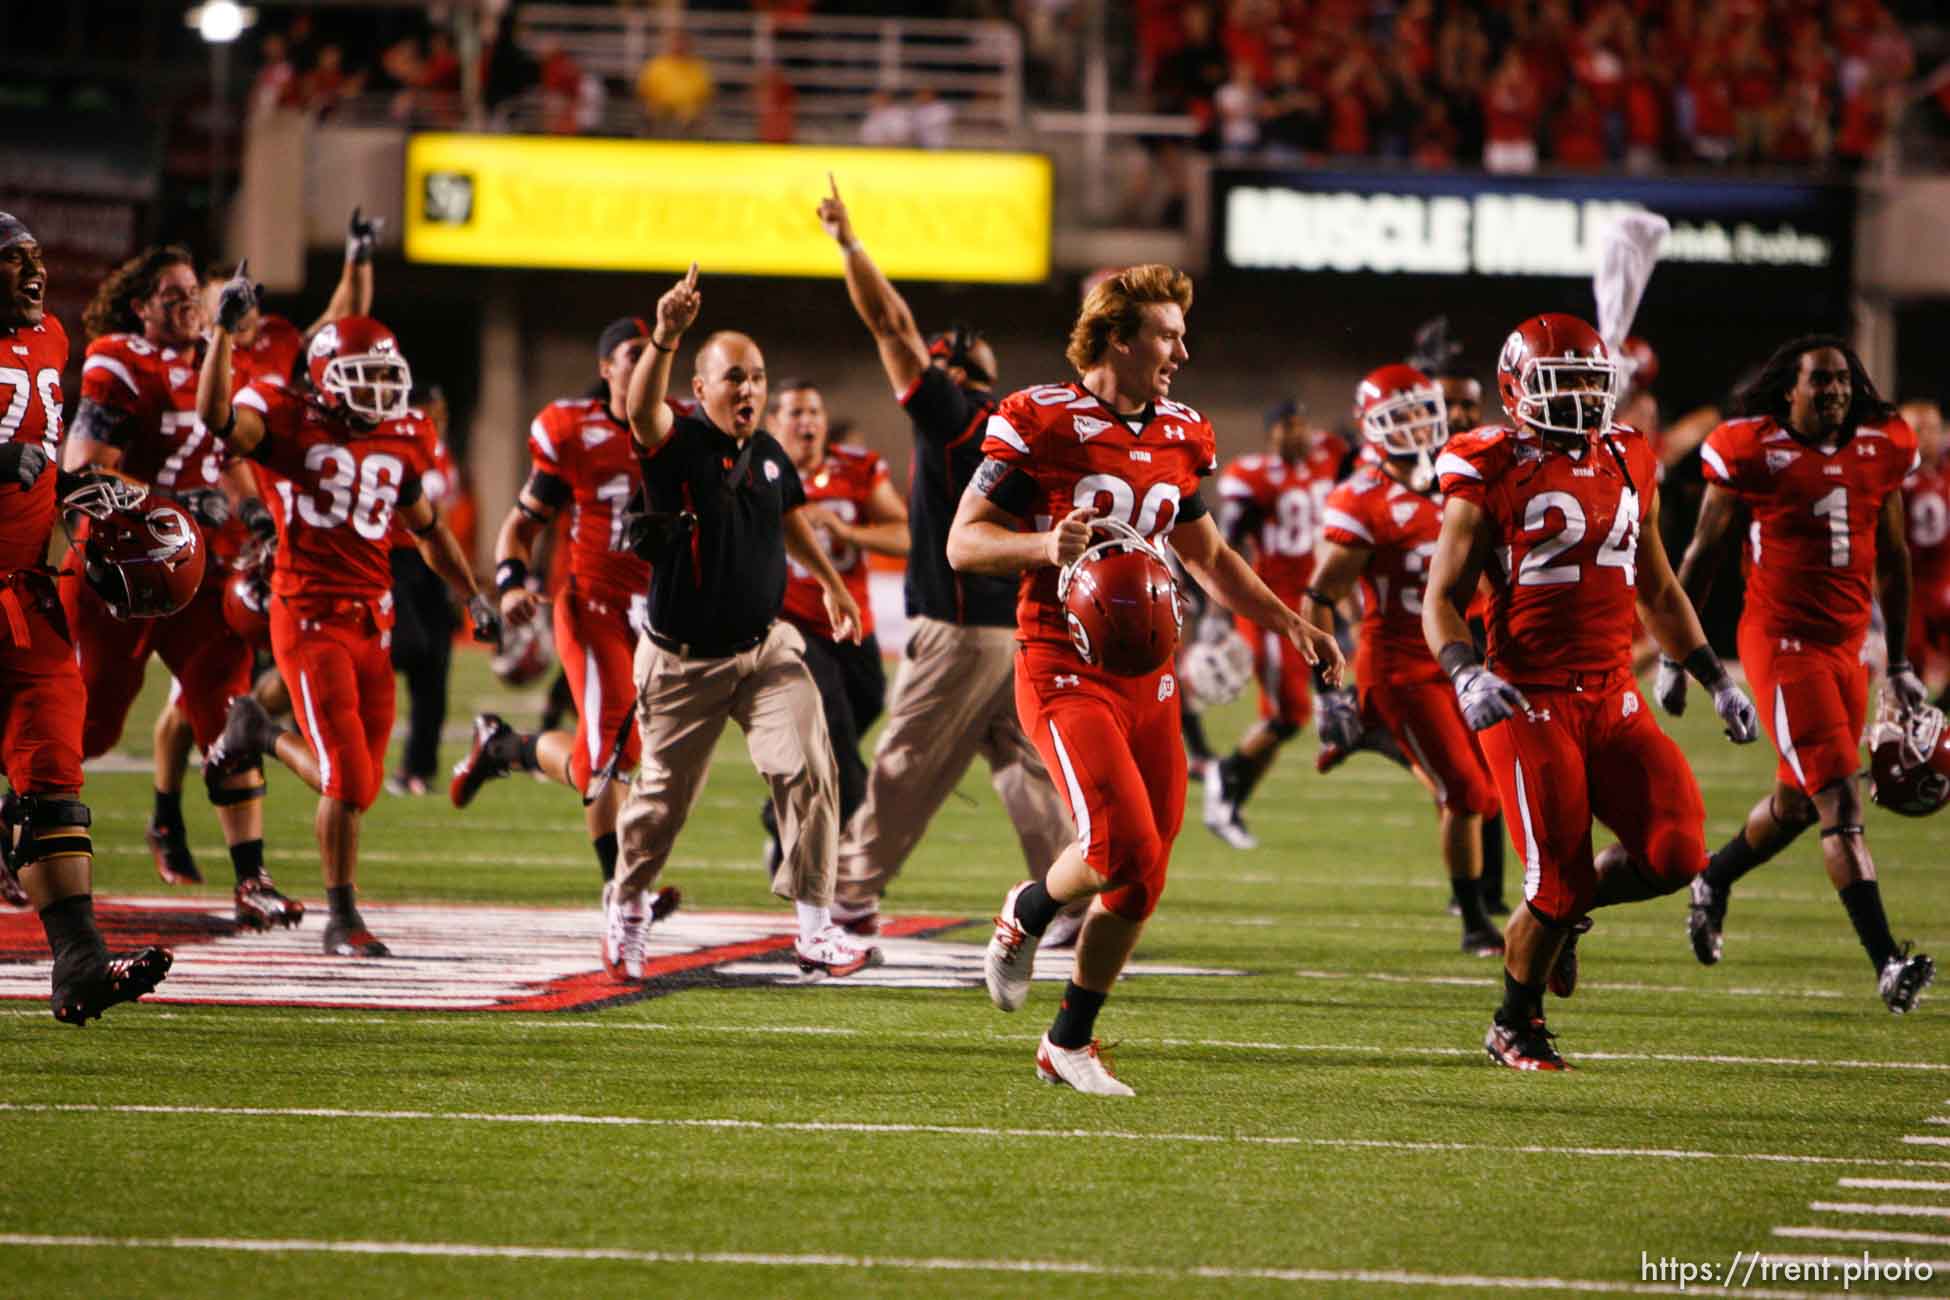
column 1109, row 445
column 1560, row 508
column 1379, row 528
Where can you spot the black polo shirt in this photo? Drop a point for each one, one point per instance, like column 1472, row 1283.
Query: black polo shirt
column 948, row 424
column 727, row 585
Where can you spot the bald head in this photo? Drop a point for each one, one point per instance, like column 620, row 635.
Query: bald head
column 729, row 382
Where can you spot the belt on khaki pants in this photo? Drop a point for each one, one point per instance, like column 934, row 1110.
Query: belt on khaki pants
column 695, row 650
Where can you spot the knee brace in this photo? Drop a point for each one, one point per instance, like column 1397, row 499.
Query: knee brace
column 46, row 826
column 1847, row 828
column 1796, row 818
column 226, row 796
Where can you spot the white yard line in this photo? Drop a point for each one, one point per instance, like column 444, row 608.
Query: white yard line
column 1893, row 1185
column 1894, row 1208
column 891, row 1263
column 943, row 1130
column 1920, row 1140
column 1484, row 982
column 1865, row 1234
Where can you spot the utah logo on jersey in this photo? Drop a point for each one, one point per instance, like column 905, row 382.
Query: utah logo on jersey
column 1088, row 426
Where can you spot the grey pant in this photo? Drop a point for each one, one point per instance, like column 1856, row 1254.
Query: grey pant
column 954, row 698
column 682, row 706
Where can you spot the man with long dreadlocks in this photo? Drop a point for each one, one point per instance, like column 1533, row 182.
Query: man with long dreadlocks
column 1816, row 460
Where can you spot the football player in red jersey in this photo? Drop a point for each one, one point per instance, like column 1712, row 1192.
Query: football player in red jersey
column 1111, row 445
column 138, row 417
column 46, row 854
column 1560, row 509
column 1927, row 496
column 582, row 457
column 1815, row 464
column 268, row 347
column 1380, row 528
column 1270, row 505
column 345, row 454
column 853, row 508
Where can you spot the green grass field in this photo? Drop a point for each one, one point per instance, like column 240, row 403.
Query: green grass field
column 1326, row 1123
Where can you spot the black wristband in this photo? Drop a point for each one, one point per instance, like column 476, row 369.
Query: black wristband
column 1320, row 597
column 660, row 347
column 1456, row 656
column 509, row 574
column 1898, row 666
column 1704, row 667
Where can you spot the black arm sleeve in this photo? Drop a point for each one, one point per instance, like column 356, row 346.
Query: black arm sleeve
column 1192, row 507
column 1006, row 486
column 409, row 492
column 941, row 411
column 548, row 489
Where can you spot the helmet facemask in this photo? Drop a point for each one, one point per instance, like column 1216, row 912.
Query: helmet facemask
column 373, row 386
column 1569, row 400
column 1919, row 730
column 1410, row 425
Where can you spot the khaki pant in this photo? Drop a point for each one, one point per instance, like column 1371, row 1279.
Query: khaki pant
column 682, row 706
column 955, row 697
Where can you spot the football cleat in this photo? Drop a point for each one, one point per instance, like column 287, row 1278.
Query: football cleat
column 1222, row 816
column 1903, row 980
column 665, row 901
column 1527, row 1047
column 1082, row 1068
column 626, row 933
column 355, row 940
column 171, row 847
column 1011, row 956
column 248, row 734
column 834, row 952
column 1482, row 943
column 406, row 785
column 486, row 759
column 85, row 996
column 1065, row 929
column 860, row 922
column 1705, row 916
column 261, row 907
column 1563, row 981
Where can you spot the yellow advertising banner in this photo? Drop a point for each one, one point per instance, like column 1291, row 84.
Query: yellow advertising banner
column 654, row 205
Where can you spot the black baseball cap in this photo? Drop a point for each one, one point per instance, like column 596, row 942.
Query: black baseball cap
column 620, row 330
column 1284, row 409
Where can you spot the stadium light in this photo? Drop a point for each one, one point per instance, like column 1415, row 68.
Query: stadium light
column 220, row 21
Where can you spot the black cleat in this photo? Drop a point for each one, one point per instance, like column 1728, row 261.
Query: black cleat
column 1529, row 1047
column 352, row 941
column 248, row 735
column 171, row 847
column 83, row 997
column 1486, row 942
column 1704, row 919
column 1563, row 981
column 1903, row 980
column 486, row 759
column 261, row 907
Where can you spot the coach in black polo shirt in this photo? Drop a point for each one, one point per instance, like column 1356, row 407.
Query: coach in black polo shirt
column 955, row 696
column 717, row 649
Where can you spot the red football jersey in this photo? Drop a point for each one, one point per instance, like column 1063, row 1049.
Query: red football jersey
column 1079, row 452
column 841, row 485
column 31, row 361
column 1564, row 573
column 1927, row 497
column 273, row 355
column 333, row 491
column 163, row 443
column 1399, row 527
column 1811, row 554
column 1287, row 499
column 581, row 444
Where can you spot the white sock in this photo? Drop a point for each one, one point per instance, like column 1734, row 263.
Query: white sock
column 813, row 917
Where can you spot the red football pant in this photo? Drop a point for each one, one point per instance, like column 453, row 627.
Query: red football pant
column 334, row 658
column 1813, row 700
column 1285, row 678
column 41, row 697
column 1593, row 753
column 209, row 661
column 1116, row 754
column 1427, row 723
column 598, row 651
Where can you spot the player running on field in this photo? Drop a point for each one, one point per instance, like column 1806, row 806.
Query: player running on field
column 1560, row 509
column 1380, row 528
column 1815, row 465
column 1111, row 445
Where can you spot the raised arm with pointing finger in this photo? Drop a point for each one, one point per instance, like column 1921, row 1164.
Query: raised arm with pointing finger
column 903, row 351
column 650, row 418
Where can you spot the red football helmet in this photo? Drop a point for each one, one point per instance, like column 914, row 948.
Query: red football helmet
column 526, row 652
column 247, row 605
column 355, row 366
column 1121, row 603
column 1402, row 416
column 1556, row 377
column 143, row 556
column 1909, row 759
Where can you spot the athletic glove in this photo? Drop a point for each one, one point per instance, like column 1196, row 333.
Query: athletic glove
column 208, row 506
column 1736, row 711
column 361, row 234
column 257, row 517
column 1906, row 686
column 22, row 462
column 486, row 620
column 1486, row 699
column 1339, row 725
column 237, row 299
column 1670, row 686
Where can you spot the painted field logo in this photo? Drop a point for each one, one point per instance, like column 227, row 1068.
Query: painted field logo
column 466, row 958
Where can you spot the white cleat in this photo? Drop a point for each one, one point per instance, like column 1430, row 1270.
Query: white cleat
column 1221, row 811
column 626, row 934
column 1065, row 929
column 1082, row 1068
column 835, row 953
column 1011, row 956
